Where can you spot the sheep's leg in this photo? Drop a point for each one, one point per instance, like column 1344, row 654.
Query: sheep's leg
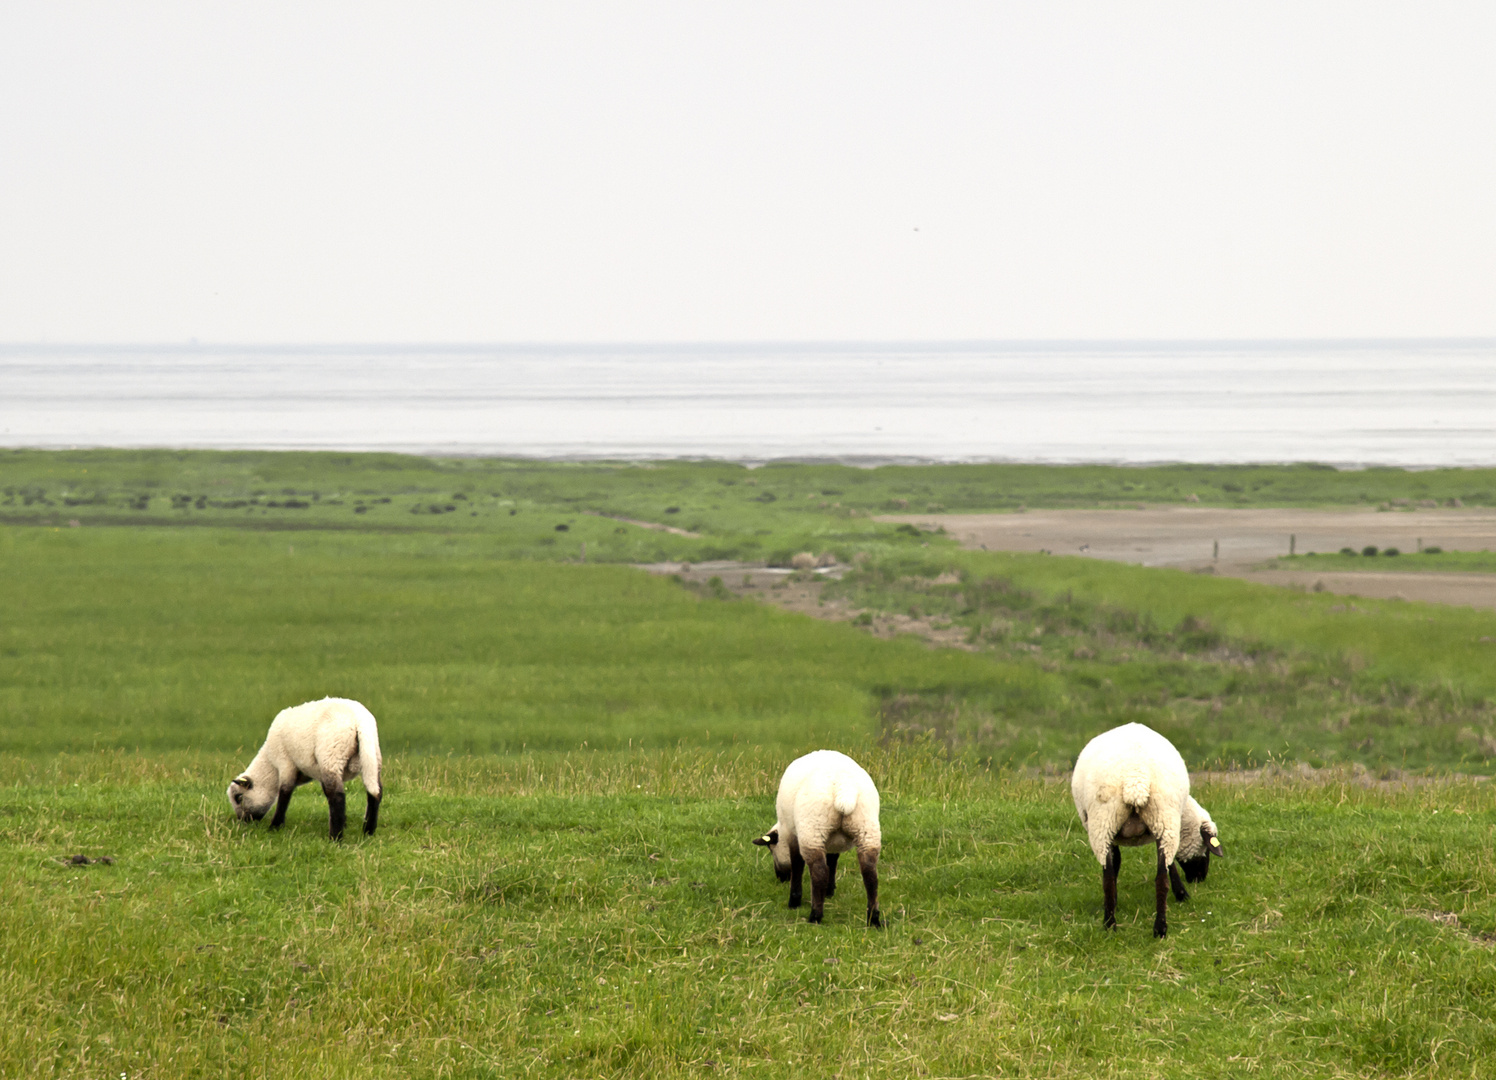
column 371, row 813
column 797, row 871
column 1180, row 892
column 1109, row 871
column 281, row 803
column 1161, row 896
column 831, row 873
column 820, row 875
column 867, row 862
column 337, row 809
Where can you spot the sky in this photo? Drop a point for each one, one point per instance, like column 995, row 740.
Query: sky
column 593, row 172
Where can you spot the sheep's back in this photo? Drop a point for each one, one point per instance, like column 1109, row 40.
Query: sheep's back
column 1127, row 763
column 315, row 731
column 1129, row 768
column 821, row 786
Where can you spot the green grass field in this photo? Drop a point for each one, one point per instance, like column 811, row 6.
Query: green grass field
column 548, row 510
column 611, row 919
column 1448, row 562
column 577, row 757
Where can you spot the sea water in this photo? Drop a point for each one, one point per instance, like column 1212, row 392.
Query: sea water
column 1345, row 403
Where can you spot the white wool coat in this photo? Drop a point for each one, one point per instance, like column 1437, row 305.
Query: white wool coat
column 827, row 803
column 1131, row 787
column 328, row 741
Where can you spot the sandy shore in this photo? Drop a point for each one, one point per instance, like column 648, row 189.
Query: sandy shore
column 1188, row 538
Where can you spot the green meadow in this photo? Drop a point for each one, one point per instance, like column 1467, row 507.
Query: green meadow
column 549, row 510
column 1435, row 560
column 578, row 754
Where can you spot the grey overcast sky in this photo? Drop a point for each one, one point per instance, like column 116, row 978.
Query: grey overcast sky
column 553, row 171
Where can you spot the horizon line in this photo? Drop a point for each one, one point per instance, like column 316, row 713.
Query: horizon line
column 195, row 344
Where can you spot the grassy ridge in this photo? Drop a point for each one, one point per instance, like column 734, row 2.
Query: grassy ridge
column 1413, row 644
column 1233, row 673
column 508, row 923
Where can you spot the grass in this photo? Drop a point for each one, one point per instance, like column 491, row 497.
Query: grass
column 508, row 921
column 1388, row 643
column 1448, row 562
column 161, row 639
column 548, row 510
column 1235, row 674
column 578, row 756
column 169, row 638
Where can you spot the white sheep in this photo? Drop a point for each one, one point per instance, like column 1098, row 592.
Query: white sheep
column 827, row 804
column 329, row 741
column 1131, row 787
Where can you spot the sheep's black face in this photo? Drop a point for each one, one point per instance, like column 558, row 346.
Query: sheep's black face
column 1196, row 868
column 770, row 840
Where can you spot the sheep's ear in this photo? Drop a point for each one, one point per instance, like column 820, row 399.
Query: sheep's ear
column 769, row 839
column 1212, row 844
column 245, row 782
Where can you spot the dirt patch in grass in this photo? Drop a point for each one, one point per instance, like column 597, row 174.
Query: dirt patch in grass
column 1450, row 921
column 1238, row 542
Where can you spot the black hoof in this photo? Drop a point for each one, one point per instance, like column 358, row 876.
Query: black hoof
column 794, row 901
column 875, row 920
column 1160, row 929
column 813, row 917
column 1181, row 896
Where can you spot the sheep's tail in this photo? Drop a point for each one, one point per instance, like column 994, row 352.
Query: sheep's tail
column 369, row 759
column 845, row 799
column 1137, row 788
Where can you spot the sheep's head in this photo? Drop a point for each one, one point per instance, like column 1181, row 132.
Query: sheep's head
column 1195, row 855
column 250, row 801
column 780, row 852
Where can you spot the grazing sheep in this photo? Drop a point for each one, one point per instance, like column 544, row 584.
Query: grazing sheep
column 328, row 741
column 1131, row 787
column 827, row 804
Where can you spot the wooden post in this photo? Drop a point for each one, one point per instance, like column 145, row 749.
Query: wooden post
column 1292, row 541
column 1215, row 549
column 584, row 551
column 1420, row 545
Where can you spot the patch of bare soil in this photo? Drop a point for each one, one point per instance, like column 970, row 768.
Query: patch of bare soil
column 1236, row 543
column 801, row 591
column 1450, row 921
column 653, row 525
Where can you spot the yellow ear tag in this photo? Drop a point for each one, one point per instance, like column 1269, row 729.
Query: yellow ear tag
column 1214, row 842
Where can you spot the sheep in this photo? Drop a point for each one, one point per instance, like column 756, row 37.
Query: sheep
column 827, row 804
column 1131, row 787
column 328, row 741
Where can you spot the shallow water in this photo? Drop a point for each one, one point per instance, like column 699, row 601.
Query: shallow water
column 1411, row 403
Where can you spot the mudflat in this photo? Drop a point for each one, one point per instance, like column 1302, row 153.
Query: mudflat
column 1241, row 542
